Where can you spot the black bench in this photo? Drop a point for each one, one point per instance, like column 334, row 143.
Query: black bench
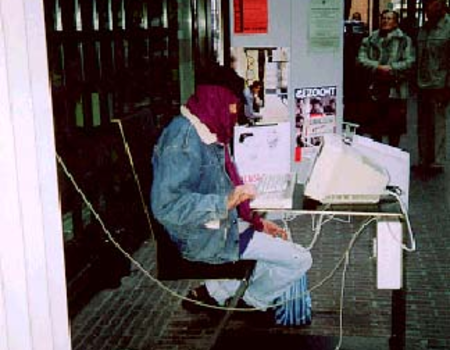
column 172, row 266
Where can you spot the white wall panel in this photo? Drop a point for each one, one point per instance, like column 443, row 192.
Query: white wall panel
column 289, row 26
column 33, row 298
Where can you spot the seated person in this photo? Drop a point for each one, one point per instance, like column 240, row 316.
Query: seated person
column 252, row 101
column 199, row 197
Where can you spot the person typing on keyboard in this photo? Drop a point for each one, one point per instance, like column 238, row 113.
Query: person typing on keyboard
column 248, row 192
column 198, row 196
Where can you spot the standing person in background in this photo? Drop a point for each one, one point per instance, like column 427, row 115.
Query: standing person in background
column 354, row 78
column 252, row 101
column 356, row 25
column 433, row 80
column 356, row 17
column 388, row 57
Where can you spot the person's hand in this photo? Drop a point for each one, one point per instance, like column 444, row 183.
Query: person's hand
column 385, row 71
column 274, row 230
column 240, row 194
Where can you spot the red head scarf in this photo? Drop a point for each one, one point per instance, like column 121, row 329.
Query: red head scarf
column 211, row 104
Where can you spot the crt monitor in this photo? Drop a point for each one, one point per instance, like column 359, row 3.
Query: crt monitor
column 342, row 174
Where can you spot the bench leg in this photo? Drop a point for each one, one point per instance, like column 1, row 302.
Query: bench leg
column 233, row 304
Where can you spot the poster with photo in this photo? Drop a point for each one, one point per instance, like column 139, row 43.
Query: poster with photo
column 315, row 114
column 269, row 68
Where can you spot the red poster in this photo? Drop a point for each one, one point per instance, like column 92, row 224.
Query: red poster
column 250, row 16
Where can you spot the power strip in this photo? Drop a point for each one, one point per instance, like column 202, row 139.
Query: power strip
column 389, row 254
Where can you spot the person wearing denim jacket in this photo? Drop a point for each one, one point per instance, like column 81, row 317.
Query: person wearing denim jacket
column 198, row 197
column 197, row 219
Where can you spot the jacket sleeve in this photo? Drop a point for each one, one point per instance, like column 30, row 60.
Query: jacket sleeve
column 363, row 57
column 403, row 67
column 174, row 199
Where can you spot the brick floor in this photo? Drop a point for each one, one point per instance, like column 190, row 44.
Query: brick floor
column 140, row 315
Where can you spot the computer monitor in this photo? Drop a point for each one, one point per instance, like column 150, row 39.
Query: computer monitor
column 342, row 174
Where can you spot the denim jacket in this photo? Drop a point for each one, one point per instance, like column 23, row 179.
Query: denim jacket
column 190, row 191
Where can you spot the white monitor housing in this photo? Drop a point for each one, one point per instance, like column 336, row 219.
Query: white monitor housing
column 343, row 174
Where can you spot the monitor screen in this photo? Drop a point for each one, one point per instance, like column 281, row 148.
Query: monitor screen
column 342, row 174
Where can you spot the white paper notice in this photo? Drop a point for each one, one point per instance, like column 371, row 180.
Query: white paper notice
column 262, row 150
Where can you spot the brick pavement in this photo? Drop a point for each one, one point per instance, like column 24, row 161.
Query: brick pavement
column 139, row 315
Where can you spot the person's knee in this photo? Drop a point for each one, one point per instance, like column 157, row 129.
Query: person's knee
column 303, row 260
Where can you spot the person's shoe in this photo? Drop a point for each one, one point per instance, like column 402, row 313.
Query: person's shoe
column 255, row 317
column 201, row 295
column 261, row 318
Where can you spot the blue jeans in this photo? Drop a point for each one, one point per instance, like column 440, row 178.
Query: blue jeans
column 279, row 264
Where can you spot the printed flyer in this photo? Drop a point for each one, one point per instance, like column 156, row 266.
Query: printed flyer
column 315, row 114
column 263, row 149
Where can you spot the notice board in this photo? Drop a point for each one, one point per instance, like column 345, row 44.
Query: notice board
column 315, row 60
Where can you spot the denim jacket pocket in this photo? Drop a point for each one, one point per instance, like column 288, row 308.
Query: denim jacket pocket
column 206, row 245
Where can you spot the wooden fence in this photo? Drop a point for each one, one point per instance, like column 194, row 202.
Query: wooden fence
column 108, row 60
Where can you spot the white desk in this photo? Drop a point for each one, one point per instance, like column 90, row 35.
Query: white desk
column 390, row 228
column 398, row 294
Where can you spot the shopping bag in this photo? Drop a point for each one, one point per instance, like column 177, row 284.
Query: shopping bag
column 294, row 306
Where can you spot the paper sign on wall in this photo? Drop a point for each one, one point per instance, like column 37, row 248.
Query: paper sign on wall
column 260, row 150
column 250, row 16
column 324, row 25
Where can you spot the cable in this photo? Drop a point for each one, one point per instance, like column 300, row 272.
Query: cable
column 317, row 227
column 349, row 247
column 341, row 302
column 136, row 178
column 344, row 259
column 340, row 262
column 172, row 292
column 395, row 192
column 126, row 254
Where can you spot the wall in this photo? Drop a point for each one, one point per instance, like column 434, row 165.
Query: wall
column 290, row 25
column 33, row 305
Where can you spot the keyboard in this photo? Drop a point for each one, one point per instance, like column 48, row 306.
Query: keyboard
column 274, row 191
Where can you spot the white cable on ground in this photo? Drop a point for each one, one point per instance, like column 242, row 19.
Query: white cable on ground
column 167, row 289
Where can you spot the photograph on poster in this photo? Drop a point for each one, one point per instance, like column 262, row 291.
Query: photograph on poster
column 315, row 114
column 265, row 71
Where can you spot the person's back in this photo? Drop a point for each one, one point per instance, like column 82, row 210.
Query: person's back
column 433, row 80
column 433, row 43
column 183, row 211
